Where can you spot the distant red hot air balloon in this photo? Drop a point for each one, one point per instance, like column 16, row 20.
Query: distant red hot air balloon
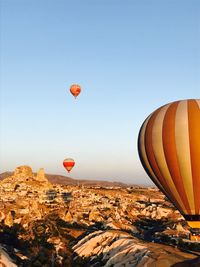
column 75, row 90
column 68, row 164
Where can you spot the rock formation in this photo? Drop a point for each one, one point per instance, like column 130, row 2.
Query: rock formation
column 2, row 216
column 41, row 176
column 23, row 171
column 115, row 249
column 9, row 219
column 5, row 259
column 68, row 217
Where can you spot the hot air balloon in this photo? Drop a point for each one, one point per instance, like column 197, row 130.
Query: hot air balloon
column 75, row 90
column 169, row 149
column 68, row 164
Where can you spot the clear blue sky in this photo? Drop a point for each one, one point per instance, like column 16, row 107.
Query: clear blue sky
column 130, row 57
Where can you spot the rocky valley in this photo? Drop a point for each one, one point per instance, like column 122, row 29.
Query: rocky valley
column 46, row 222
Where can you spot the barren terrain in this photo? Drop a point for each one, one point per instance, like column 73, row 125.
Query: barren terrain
column 45, row 222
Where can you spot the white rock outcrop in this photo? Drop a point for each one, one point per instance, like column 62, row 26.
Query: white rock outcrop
column 116, row 248
column 5, row 259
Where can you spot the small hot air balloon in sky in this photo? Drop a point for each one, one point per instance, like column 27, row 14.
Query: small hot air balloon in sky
column 169, row 149
column 68, row 164
column 75, row 90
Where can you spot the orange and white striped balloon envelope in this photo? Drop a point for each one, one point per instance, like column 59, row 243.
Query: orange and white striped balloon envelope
column 169, row 149
column 68, row 164
column 75, row 90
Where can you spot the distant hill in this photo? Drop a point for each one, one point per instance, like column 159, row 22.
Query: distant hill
column 64, row 180
column 5, row 175
column 59, row 179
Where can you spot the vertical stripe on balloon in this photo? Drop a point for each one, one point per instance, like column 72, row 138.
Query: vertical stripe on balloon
column 169, row 146
column 183, row 151
column 198, row 102
column 152, row 160
column 144, row 159
column 194, row 139
column 157, row 143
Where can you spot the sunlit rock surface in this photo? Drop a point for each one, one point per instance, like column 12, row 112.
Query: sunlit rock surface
column 5, row 260
column 9, row 219
column 41, row 176
column 116, row 248
column 23, row 171
column 68, row 217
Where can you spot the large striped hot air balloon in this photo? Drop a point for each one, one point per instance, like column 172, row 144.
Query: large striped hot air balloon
column 68, row 164
column 169, row 149
column 75, row 90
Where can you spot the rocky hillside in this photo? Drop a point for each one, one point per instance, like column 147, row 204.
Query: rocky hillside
column 47, row 224
column 64, row 180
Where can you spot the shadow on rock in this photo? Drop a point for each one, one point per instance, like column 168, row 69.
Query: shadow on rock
column 148, row 227
column 189, row 263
